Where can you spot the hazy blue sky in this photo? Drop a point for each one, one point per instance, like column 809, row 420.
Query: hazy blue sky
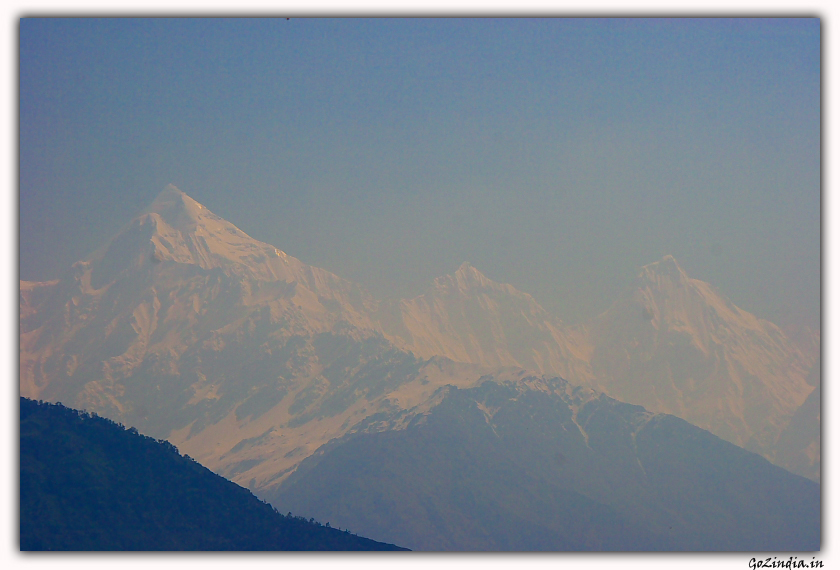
column 556, row 155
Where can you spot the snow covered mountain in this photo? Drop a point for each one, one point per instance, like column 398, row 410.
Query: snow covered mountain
column 175, row 274
column 672, row 344
column 675, row 345
column 241, row 355
column 469, row 318
column 250, row 360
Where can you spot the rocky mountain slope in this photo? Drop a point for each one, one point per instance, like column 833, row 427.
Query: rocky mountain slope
column 538, row 464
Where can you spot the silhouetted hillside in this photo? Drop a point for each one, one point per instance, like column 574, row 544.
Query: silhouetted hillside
column 87, row 483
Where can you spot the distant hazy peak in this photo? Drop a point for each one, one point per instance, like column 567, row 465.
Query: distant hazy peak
column 167, row 196
column 666, row 268
column 470, row 273
column 465, row 279
column 468, row 280
column 175, row 207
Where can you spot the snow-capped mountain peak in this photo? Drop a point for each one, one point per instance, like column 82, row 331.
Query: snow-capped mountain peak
column 176, row 208
column 664, row 272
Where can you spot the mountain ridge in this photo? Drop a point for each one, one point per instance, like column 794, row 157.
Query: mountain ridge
column 547, row 466
column 158, row 327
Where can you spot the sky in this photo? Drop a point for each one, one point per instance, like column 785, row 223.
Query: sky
column 557, row 155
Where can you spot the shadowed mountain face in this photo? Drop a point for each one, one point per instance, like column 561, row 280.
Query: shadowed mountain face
column 540, row 465
column 86, row 483
column 250, row 360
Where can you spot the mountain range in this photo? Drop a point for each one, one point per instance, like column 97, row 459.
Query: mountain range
column 254, row 362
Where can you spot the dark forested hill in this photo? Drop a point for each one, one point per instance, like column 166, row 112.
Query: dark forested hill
column 87, row 483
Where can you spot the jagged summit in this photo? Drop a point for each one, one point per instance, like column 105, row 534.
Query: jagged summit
column 177, row 209
column 666, row 269
column 468, row 317
column 677, row 345
column 175, row 228
column 168, row 192
column 470, row 283
column 467, row 279
column 666, row 290
column 667, row 263
column 169, row 197
column 467, row 276
column 464, row 267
